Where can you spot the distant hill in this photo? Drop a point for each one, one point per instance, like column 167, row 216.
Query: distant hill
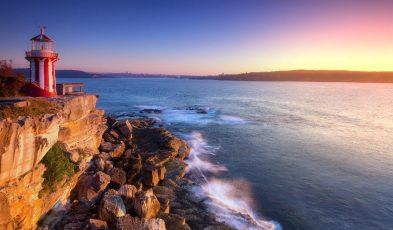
column 310, row 75
column 59, row 73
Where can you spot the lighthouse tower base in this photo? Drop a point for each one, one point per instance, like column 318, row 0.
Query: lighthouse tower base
column 33, row 90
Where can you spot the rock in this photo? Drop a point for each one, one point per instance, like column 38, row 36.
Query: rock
column 176, row 169
column 114, row 150
column 89, row 187
column 128, row 222
column 127, row 191
column 118, row 177
column 99, row 163
column 109, row 138
column 73, row 226
column 146, row 204
column 174, row 221
column 73, row 155
column 151, row 177
column 114, row 134
column 111, row 207
column 161, row 172
column 128, row 153
column 110, row 121
column 184, row 152
column 124, row 128
column 158, row 146
column 156, row 111
column 96, row 224
column 107, row 146
column 118, row 150
column 133, row 167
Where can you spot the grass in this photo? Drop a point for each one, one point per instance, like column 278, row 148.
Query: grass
column 58, row 168
column 37, row 107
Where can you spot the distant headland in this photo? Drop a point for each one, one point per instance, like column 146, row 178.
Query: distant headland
column 288, row 75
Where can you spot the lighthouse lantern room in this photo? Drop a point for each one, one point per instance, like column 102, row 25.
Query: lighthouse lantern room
column 42, row 60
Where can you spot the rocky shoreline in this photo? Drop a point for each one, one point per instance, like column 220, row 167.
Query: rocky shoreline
column 137, row 181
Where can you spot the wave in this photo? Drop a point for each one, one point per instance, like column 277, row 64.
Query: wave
column 230, row 200
column 192, row 115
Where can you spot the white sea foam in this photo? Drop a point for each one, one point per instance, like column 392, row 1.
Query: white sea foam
column 191, row 115
column 229, row 200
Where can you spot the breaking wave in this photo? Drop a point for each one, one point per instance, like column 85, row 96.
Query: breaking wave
column 230, row 200
column 193, row 115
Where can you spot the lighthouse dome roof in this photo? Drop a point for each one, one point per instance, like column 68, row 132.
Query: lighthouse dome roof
column 41, row 38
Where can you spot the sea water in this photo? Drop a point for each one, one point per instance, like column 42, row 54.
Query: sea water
column 271, row 155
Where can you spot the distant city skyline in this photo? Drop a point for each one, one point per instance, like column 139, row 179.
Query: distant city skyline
column 204, row 37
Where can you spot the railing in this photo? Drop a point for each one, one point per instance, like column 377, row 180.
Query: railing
column 69, row 88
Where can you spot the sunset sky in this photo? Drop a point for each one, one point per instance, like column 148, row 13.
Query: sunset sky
column 204, row 37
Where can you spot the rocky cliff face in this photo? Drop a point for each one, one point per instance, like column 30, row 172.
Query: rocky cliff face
column 78, row 125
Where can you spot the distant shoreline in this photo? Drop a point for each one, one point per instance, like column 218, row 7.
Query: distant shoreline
column 291, row 75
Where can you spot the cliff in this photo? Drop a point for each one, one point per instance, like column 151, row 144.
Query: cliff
column 77, row 125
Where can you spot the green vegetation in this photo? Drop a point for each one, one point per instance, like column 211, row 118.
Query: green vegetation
column 58, row 168
column 37, row 107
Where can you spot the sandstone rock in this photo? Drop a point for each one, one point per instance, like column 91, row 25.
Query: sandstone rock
column 174, row 221
column 96, row 224
column 114, row 134
column 109, row 138
column 176, row 169
column 110, row 120
column 133, row 167
column 128, row 222
column 99, row 163
column 146, row 204
column 124, row 128
column 127, row 191
column 118, row 150
column 118, row 177
column 111, row 207
column 151, row 177
column 161, row 172
column 73, row 155
column 89, row 187
column 107, row 147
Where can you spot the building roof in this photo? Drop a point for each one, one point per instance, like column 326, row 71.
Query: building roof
column 42, row 37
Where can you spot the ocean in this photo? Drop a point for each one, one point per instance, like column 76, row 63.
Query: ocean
column 275, row 155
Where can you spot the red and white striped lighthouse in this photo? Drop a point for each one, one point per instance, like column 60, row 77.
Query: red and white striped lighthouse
column 42, row 60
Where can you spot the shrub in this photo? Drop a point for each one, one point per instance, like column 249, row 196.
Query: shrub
column 58, row 168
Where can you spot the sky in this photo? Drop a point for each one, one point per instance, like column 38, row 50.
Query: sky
column 204, row 37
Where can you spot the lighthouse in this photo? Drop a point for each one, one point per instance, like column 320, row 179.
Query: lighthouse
column 42, row 60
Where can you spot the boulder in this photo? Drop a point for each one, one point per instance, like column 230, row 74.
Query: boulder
column 161, row 172
column 118, row 177
column 175, row 222
column 73, row 155
column 96, row 224
column 127, row 191
column 109, row 138
column 114, row 150
column 118, row 150
column 110, row 120
column 114, row 134
column 124, row 128
column 150, row 177
column 128, row 222
column 111, row 207
column 99, row 163
column 176, row 169
column 89, row 187
column 146, row 204
column 133, row 167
